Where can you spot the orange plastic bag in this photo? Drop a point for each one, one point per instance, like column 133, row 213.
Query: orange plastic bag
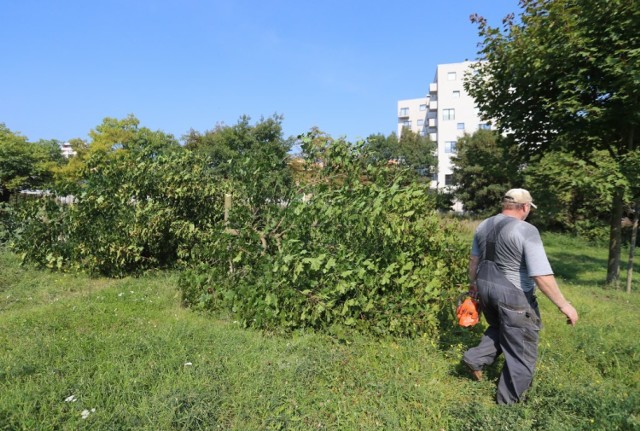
column 468, row 312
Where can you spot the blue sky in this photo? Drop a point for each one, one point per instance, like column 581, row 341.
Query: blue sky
column 339, row 65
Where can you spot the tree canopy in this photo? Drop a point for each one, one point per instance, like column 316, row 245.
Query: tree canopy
column 24, row 164
column 225, row 143
column 113, row 138
column 575, row 193
column 254, row 156
column 483, row 171
column 412, row 150
column 567, row 75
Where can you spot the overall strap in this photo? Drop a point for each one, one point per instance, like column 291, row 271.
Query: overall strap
column 492, row 238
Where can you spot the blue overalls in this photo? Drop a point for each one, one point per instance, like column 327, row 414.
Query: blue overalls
column 514, row 322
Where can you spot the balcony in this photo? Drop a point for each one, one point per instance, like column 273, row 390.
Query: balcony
column 433, row 87
column 433, row 105
column 433, row 122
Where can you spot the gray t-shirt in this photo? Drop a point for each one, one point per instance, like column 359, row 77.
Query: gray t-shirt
column 519, row 251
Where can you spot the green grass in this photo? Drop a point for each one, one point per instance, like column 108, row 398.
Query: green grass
column 127, row 349
column 577, row 262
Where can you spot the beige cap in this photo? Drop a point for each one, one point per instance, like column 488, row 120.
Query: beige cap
column 519, row 196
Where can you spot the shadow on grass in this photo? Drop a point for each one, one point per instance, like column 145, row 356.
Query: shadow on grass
column 577, row 268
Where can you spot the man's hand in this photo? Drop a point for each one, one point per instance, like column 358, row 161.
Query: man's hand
column 547, row 285
column 571, row 313
column 473, row 290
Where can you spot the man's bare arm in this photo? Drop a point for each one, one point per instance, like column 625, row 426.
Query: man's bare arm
column 548, row 285
column 474, row 261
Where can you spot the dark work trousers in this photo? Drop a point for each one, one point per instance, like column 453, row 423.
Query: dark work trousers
column 514, row 323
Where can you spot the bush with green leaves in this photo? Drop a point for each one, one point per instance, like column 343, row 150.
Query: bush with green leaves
column 367, row 251
column 39, row 232
column 8, row 222
column 137, row 210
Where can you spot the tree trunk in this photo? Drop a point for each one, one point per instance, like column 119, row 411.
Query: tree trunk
column 4, row 194
column 630, row 147
column 632, row 245
column 615, row 237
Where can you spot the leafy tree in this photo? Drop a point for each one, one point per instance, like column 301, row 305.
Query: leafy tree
column 631, row 169
column 113, row 134
column 225, row 143
column 113, row 138
column 565, row 77
column 50, row 150
column 255, row 156
column 411, row 150
column 67, row 176
column 483, row 170
column 418, row 152
column 307, row 164
column 383, row 147
column 24, row 164
column 574, row 192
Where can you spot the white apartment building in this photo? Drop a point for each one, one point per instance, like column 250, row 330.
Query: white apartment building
column 412, row 114
column 445, row 114
column 67, row 150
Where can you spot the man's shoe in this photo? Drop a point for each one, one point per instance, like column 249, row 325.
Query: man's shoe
column 475, row 374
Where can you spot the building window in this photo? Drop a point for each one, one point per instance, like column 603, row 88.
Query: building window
column 448, row 180
column 451, row 76
column 420, row 122
column 456, row 94
column 449, row 114
column 406, row 124
column 404, row 112
column 423, row 107
column 450, row 147
column 484, row 126
column 460, row 126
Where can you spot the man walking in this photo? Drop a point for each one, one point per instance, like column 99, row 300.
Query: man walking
column 507, row 262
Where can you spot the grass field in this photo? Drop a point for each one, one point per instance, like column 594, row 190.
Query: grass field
column 98, row 354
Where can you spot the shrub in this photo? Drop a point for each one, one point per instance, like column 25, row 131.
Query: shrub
column 8, row 222
column 368, row 251
column 138, row 210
